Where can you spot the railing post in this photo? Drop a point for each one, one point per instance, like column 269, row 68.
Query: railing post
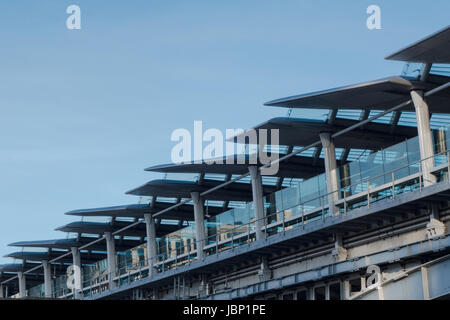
column 303, row 217
column 232, row 240
column 265, row 227
column 217, row 243
column 420, row 175
column 345, row 203
column 393, row 185
column 448, row 166
column 323, row 208
column 189, row 254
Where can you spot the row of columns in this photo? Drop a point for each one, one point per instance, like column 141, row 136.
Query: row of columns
column 425, row 145
column 426, row 152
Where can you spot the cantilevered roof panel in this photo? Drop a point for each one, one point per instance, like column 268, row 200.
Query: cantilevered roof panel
column 122, row 245
column 184, row 212
column 11, row 267
column 183, row 189
column 379, row 94
column 296, row 167
column 432, row 49
column 54, row 243
column 138, row 230
column 86, row 258
column 302, row 132
column 130, row 210
column 18, row 267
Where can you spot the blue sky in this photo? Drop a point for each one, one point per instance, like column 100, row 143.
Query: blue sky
column 83, row 112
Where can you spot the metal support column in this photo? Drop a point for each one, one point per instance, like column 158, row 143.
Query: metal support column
column 330, row 170
column 77, row 273
column 424, row 134
column 22, row 285
column 199, row 223
column 151, row 242
column 111, row 256
column 47, row 279
column 258, row 200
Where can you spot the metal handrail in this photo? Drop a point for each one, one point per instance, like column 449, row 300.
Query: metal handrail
column 166, row 257
column 284, row 220
column 270, row 163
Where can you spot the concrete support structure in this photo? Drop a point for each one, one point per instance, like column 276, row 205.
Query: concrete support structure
column 77, row 272
column 47, row 279
column 22, row 285
column 264, row 273
column 151, row 242
column 435, row 227
column 258, row 200
column 199, row 223
column 330, row 170
column 1, row 291
column 111, row 256
column 424, row 134
column 339, row 253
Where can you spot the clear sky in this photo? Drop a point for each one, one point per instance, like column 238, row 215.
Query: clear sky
column 83, row 112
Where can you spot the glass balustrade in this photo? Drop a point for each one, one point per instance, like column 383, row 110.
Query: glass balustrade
column 37, row 291
column 301, row 203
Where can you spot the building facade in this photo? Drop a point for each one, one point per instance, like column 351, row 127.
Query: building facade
column 358, row 209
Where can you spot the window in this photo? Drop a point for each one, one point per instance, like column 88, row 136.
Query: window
column 319, row 293
column 288, row 296
column 335, row 291
column 355, row 286
column 302, row 295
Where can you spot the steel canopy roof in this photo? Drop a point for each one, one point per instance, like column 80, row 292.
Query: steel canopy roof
column 86, row 257
column 138, row 230
column 372, row 136
column 379, row 94
column 182, row 189
column 296, row 167
column 432, row 49
column 122, row 245
column 184, row 212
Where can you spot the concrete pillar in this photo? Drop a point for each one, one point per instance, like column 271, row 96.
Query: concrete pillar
column 435, row 227
column 1, row 291
column 258, row 200
column 77, row 273
column 339, row 253
column 151, row 242
column 199, row 223
column 22, row 285
column 111, row 257
column 6, row 292
column 264, row 273
column 330, row 170
column 47, row 278
column 424, row 134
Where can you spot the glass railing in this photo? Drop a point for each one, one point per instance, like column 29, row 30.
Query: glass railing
column 297, row 215
column 37, row 291
column 59, row 287
column 381, row 175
